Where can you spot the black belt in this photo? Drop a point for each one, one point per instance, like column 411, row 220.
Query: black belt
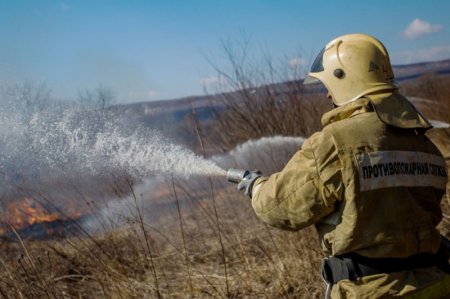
column 353, row 266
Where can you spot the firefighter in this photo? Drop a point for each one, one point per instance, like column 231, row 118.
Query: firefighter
column 371, row 182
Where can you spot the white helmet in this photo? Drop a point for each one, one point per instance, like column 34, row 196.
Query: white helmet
column 351, row 66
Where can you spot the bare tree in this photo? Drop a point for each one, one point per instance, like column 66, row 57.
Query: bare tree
column 101, row 97
column 27, row 96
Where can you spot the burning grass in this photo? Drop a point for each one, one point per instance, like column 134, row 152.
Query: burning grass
column 178, row 256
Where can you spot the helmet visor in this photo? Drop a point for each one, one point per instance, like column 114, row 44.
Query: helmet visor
column 311, row 80
column 316, row 67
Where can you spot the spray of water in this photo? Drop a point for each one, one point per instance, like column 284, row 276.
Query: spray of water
column 146, row 154
column 268, row 154
column 66, row 139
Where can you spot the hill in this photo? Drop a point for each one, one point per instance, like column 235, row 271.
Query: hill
column 175, row 109
column 411, row 71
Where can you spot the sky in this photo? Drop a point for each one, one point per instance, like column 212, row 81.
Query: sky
column 163, row 49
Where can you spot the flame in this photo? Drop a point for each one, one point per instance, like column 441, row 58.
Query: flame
column 25, row 212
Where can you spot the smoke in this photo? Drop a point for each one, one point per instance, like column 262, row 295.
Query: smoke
column 121, row 210
column 268, row 154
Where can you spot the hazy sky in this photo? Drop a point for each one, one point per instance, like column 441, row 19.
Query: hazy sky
column 150, row 50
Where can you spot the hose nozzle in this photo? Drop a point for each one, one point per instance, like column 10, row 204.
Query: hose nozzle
column 236, row 175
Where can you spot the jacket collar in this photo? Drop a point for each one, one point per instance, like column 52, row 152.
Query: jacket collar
column 392, row 108
column 359, row 106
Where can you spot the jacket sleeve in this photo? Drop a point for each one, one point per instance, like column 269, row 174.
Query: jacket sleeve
column 305, row 191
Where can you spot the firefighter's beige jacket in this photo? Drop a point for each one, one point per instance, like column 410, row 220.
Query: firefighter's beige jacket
column 370, row 181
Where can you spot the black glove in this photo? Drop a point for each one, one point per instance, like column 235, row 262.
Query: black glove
column 247, row 182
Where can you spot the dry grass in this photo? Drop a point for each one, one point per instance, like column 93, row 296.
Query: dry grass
column 146, row 258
